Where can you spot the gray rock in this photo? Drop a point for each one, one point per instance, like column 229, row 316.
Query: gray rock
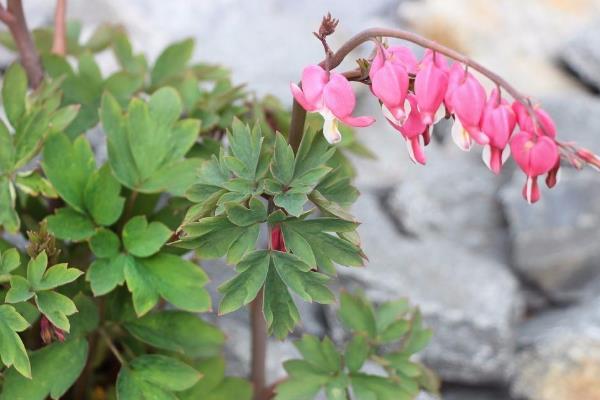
column 582, row 55
column 454, row 197
column 560, row 355
column 470, row 302
column 577, row 118
column 555, row 241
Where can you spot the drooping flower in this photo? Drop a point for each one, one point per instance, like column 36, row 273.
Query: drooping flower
column 535, row 155
column 49, row 332
column 544, row 120
column 431, row 83
column 331, row 95
column 455, row 74
column 389, row 82
column 498, row 123
column 468, row 101
column 414, row 130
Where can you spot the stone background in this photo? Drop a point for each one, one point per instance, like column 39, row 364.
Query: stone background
column 511, row 290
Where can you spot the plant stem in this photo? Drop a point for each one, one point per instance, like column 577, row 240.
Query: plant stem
column 59, row 43
column 299, row 115
column 258, row 328
column 112, row 347
column 14, row 18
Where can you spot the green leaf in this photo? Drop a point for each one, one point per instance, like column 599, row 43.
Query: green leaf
column 63, row 117
column 55, row 276
column 326, row 248
column 105, row 274
column 214, row 385
column 119, row 154
column 172, row 61
column 419, row 336
column 14, row 91
column 69, row 224
column 143, row 239
column 245, row 149
column 10, row 260
column 377, row 387
column 102, row 197
column 322, row 355
column 153, row 376
column 280, row 311
column 292, row 201
column 282, row 165
column 178, row 331
column 36, row 268
column 12, row 350
column 212, row 236
column 56, row 307
column 243, row 288
column 304, row 381
column 178, row 281
column 105, row 243
column 69, row 166
column 87, row 318
column 54, row 369
column 242, row 216
column 7, row 149
column 356, row 313
column 309, row 285
column 9, row 218
column 19, row 291
column 356, row 353
column 32, row 183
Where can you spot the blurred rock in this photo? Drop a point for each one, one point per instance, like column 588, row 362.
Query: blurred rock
column 581, row 54
column 560, row 356
column 471, row 302
column 555, row 241
column 453, row 197
column 577, row 118
column 517, row 39
column 475, row 393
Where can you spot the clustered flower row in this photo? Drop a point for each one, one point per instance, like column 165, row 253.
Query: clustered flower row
column 414, row 95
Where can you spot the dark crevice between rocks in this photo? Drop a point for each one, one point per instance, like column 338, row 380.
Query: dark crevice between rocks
column 461, row 391
column 396, row 220
column 590, row 86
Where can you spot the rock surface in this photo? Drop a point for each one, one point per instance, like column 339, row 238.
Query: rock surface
column 471, row 303
column 582, row 55
column 554, row 242
column 560, row 356
column 453, row 197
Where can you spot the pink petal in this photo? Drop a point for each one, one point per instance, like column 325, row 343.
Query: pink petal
column 404, row 56
column 468, row 100
column 531, row 191
column 314, row 79
column 390, row 84
column 338, row 96
column 300, row 98
column 415, row 150
column 358, row 121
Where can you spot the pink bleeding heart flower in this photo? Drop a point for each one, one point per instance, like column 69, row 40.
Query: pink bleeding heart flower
column 456, row 73
column 535, row 155
column 468, row 102
column 331, row 95
column 497, row 124
column 414, row 132
column 548, row 127
column 431, row 83
column 404, row 56
column 389, row 82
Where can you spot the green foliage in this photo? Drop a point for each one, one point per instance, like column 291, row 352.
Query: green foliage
column 193, row 163
column 32, row 117
column 373, row 332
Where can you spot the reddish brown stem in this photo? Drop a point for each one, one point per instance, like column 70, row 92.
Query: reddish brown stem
column 259, row 346
column 14, row 18
column 299, row 115
column 59, row 43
